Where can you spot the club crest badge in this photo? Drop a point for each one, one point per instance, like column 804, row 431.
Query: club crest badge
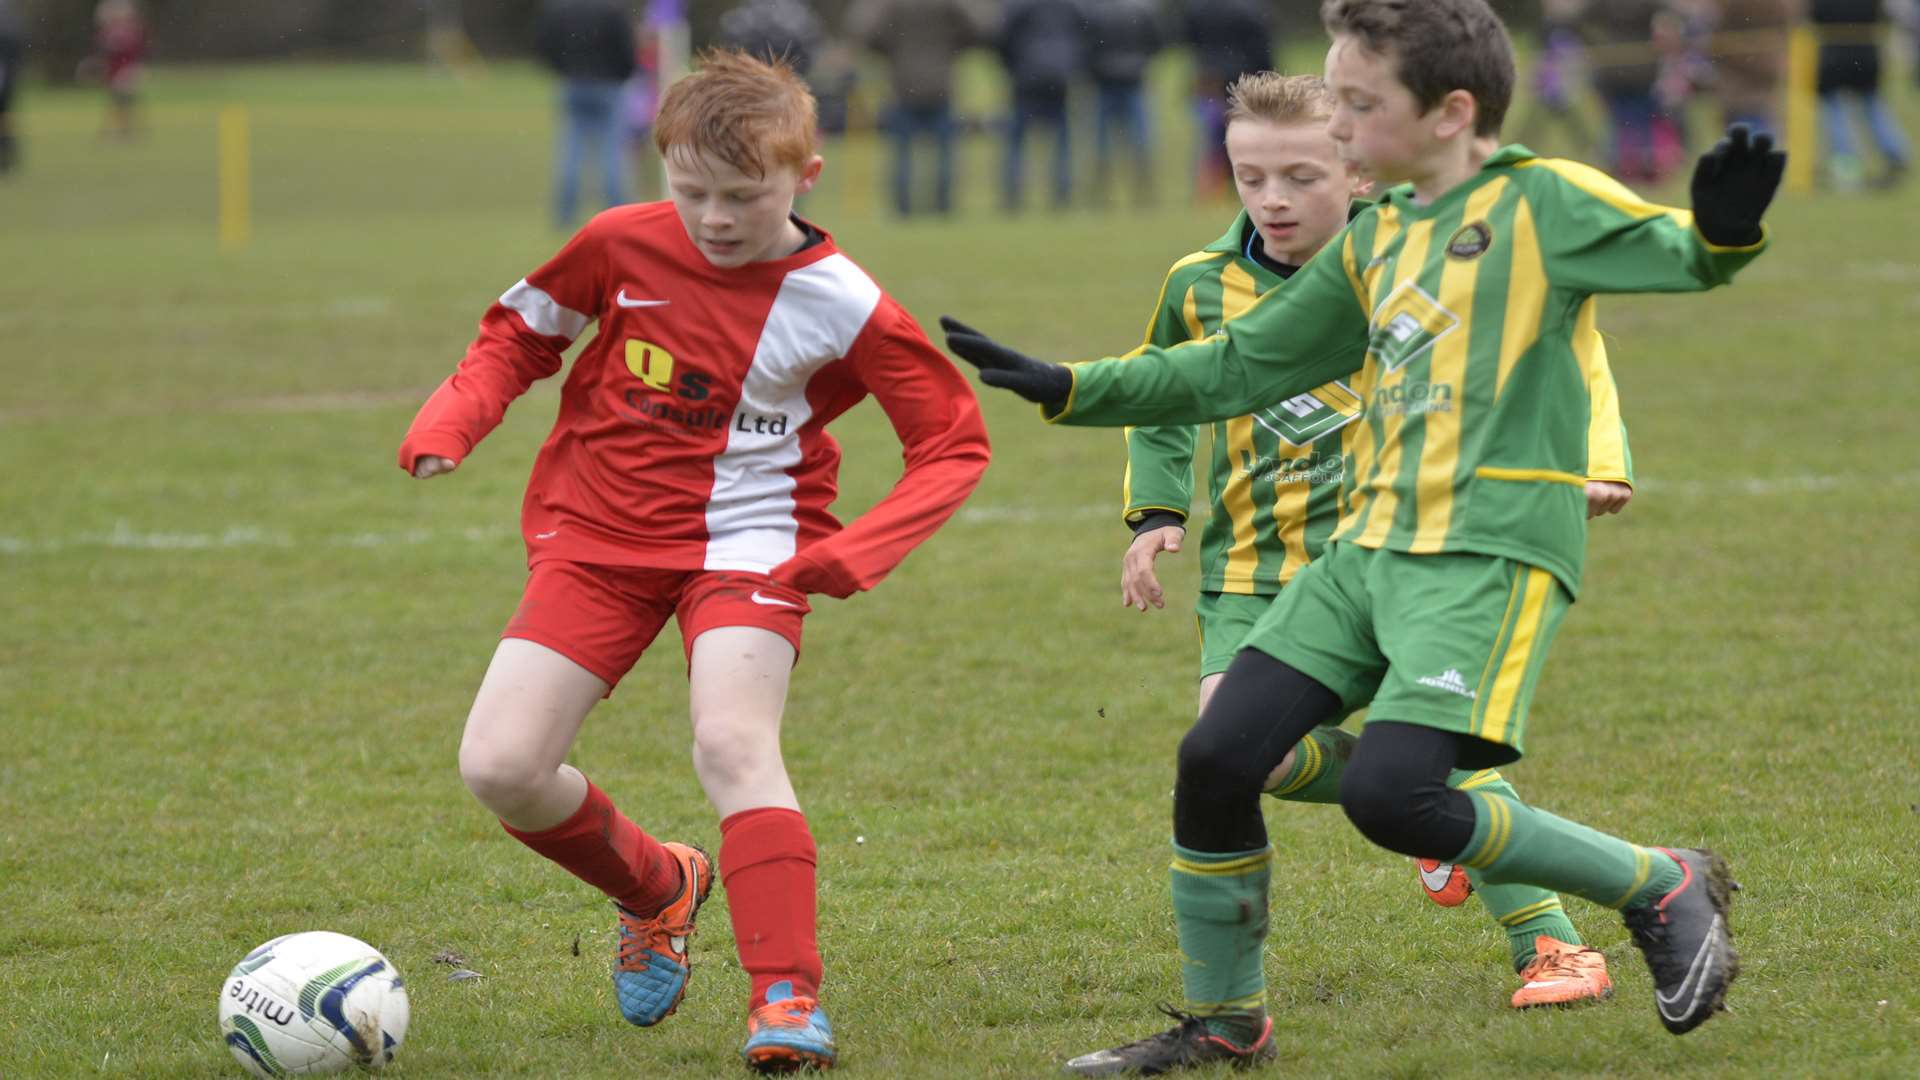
column 1471, row 241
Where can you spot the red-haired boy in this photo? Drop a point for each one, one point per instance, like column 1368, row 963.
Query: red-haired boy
column 689, row 474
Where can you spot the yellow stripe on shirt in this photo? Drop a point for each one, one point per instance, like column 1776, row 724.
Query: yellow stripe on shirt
column 1413, row 258
column 1526, row 294
column 1440, row 442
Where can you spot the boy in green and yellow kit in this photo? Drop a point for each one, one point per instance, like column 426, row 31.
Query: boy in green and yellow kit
column 1464, row 300
column 1274, row 477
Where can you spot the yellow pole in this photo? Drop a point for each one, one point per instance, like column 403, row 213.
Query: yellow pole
column 1803, row 117
column 236, row 181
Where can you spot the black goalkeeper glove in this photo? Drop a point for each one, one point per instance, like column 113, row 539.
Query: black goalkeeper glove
column 1036, row 380
column 1732, row 185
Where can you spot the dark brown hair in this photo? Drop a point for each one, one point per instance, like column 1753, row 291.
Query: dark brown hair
column 751, row 114
column 1437, row 47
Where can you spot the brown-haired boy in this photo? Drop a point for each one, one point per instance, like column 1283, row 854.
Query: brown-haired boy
column 689, row 475
column 1464, row 300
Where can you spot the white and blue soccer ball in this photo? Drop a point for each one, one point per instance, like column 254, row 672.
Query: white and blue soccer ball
column 313, row 1003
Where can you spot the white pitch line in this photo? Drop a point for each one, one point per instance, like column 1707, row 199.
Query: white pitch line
column 124, row 537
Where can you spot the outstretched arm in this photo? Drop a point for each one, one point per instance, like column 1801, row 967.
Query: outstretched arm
column 1291, row 341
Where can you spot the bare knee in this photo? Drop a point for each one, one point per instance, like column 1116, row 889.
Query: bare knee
column 501, row 779
column 729, row 751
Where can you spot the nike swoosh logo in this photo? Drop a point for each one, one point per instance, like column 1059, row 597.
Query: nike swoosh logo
column 770, row 601
column 1695, row 981
column 546, row 535
column 1436, row 879
column 1541, row 985
column 622, row 300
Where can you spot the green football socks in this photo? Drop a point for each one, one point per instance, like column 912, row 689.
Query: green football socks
column 1318, row 761
column 1516, row 843
column 1220, row 908
column 1523, row 911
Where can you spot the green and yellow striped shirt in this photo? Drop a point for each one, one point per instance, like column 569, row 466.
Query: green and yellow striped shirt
column 1471, row 323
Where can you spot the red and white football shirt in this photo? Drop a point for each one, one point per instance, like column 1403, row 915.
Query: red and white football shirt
column 692, row 429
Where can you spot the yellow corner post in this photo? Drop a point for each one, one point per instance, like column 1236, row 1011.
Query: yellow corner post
column 1803, row 116
column 236, row 180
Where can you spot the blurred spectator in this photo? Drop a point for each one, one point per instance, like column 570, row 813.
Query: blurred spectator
column 1123, row 36
column 1849, row 82
column 589, row 44
column 1559, row 71
column 639, row 102
column 1749, row 56
column 1230, row 38
column 920, row 39
column 775, row 30
column 13, row 43
column 1044, row 45
column 120, row 41
column 1624, row 69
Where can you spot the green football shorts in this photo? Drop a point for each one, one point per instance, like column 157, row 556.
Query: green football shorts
column 1224, row 620
column 1468, row 635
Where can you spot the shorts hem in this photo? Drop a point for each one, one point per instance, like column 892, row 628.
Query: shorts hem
column 570, row 653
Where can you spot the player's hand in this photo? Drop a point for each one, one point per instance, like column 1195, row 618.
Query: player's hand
column 427, row 465
column 1138, row 585
column 1606, row 497
column 1732, row 185
column 1035, row 380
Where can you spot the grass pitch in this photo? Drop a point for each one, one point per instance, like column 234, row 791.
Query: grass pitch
column 238, row 643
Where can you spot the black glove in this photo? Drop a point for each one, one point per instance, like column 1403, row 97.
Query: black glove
column 1732, row 185
column 1036, row 380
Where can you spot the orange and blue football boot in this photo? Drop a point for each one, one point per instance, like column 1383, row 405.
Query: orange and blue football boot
column 650, row 965
column 788, row 1033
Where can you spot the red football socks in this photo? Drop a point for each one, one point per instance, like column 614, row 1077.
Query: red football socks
column 601, row 847
column 767, row 865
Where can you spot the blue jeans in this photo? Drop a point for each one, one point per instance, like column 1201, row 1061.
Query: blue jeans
column 590, row 111
column 1837, row 121
column 1041, row 108
column 913, row 121
column 1121, row 108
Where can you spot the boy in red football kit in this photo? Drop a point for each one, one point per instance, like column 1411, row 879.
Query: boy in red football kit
column 688, row 475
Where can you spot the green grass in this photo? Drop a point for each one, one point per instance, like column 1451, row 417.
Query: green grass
column 238, row 644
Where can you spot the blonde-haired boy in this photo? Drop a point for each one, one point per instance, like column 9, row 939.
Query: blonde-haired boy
column 688, row 476
column 1274, row 478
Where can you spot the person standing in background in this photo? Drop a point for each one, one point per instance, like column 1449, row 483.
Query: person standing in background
column 1123, row 35
column 1559, row 72
column 786, row 30
column 1749, row 56
column 13, row 43
column 1044, row 45
column 1849, row 82
column 1624, row 69
column 1230, row 38
column 121, row 42
column 639, row 101
column 589, row 44
column 920, row 39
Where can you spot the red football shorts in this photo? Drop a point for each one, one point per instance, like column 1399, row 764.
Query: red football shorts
column 604, row 617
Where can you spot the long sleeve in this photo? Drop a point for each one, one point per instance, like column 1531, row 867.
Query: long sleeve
column 944, row 450
column 1291, row 341
column 1608, row 456
column 522, row 337
column 1159, row 472
column 1606, row 239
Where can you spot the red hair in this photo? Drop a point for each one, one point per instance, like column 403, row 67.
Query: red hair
column 749, row 113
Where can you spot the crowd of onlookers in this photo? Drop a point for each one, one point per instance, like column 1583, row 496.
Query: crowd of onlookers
column 1076, row 69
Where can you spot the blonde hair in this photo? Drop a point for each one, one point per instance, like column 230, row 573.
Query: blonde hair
column 1279, row 99
column 749, row 113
